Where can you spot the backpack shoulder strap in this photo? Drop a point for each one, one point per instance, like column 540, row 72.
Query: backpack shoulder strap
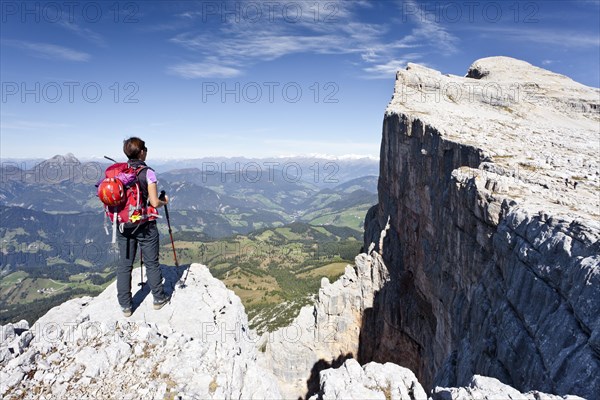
column 140, row 174
column 141, row 169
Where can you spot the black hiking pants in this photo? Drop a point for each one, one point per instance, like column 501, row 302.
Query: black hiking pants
column 146, row 235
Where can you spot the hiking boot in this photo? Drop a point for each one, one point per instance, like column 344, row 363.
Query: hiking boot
column 127, row 311
column 158, row 304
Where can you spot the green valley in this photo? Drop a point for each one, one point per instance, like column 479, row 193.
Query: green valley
column 270, row 240
column 274, row 271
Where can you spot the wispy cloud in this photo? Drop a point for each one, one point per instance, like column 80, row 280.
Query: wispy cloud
column 239, row 44
column 323, row 144
column 389, row 69
column 429, row 31
column 263, row 45
column 85, row 33
column 555, row 38
column 47, row 50
column 203, row 70
column 32, row 125
column 593, row 3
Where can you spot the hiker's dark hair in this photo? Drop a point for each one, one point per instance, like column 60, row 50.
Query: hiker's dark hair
column 133, row 146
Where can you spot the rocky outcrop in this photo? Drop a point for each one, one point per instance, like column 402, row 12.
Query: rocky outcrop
column 371, row 381
column 391, row 382
column 489, row 184
column 198, row 346
column 482, row 387
column 326, row 334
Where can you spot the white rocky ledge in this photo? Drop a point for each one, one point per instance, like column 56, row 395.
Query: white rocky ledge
column 198, row 346
column 532, row 125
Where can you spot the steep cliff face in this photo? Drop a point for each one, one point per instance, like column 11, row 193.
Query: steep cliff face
column 491, row 190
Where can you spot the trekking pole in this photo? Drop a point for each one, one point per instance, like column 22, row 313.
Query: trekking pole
column 141, row 270
column 161, row 197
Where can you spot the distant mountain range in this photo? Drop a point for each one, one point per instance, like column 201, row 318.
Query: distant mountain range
column 52, row 221
column 321, row 171
column 283, row 187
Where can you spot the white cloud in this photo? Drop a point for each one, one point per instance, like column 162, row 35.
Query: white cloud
column 203, row 70
column 390, row 67
column 593, row 3
column 32, row 125
column 85, row 33
column 340, row 147
column 47, row 50
column 263, row 46
column 555, row 38
column 188, row 14
column 329, row 156
column 242, row 43
column 428, row 31
column 388, row 70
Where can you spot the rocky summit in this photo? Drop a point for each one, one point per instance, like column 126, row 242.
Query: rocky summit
column 198, row 346
column 480, row 277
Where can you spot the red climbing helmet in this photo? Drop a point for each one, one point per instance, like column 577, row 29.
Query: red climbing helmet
column 111, row 192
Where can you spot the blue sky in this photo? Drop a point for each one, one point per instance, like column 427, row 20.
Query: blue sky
column 255, row 79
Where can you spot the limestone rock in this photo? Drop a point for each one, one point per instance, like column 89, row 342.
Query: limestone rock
column 14, row 339
column 390, row 381
column 371, row 381
column 482, row 387
column 490, row 186
column 327, row 333
column 198, row 346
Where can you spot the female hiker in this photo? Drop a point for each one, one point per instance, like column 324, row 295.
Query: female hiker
column 145, row 234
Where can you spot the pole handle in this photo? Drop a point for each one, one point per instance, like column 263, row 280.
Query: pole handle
column 162, row 197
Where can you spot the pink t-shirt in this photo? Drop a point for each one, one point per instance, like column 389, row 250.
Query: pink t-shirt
column 150, row 176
